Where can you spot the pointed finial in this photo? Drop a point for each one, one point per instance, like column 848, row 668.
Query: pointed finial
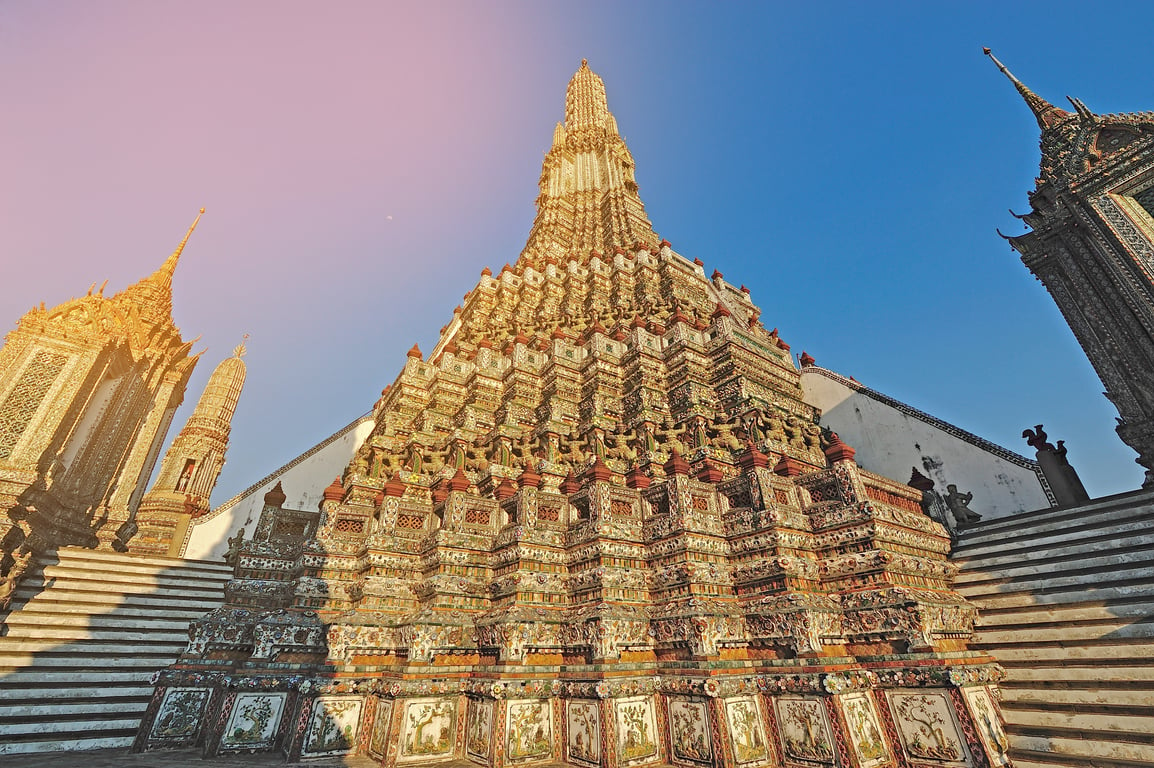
column 1079, row 107
column 169, row 265
column 1046, row 113
column 585, row 104
column 188, row 234
column 240, row 348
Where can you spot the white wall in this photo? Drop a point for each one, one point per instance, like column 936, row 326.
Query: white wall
column 891, row 438
column 303, row 479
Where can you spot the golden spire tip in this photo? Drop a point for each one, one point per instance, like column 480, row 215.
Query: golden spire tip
column 240, row 349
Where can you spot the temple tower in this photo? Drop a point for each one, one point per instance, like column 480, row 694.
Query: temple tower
column 192, row 464
column 597, row 524
column 87, row 392
column 1092, row 245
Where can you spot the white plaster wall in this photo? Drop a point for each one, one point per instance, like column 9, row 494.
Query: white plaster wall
column 303, row 480
column 890, row 442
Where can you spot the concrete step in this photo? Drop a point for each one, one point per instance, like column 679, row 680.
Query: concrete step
column 37, row 711
column 1073, row 550
column 17, row 678
column 1103, row 654
column 26, row 692
column 68, row 659
column 1132, row 590
column 1025, row 617
column 30, row 617
column 78, row 598
column 1042, row 540
column 1027, row 759
column 68, row 634
column 114, row 581
column 1132, row 501
column 1047, row 671
column 1041, row 635
column 155, row 561
column 1114, row 558
column 185, row 613
column 1102, row 719
column 1073, row 697
column 81, row 723
column 84, row 648
column 1081, row 745
column 118, row 739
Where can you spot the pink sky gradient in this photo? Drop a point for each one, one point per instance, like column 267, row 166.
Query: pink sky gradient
column 360, row 162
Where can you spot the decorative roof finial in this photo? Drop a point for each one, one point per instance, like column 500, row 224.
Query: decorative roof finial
column 1046, row 113
column 153, row 294
column 240, row 348
column 169, row 266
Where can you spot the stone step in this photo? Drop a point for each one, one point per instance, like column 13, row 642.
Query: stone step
column 36, row 711
column 40, row 692
column 30, row 617
column 18, row 678
column 67, row 634
column 1051, row 517
column 1074, row 697
column 1103, row 654
column 1114, row 558
column 1070, row 595
column 115, row 582
column 77, row 597
column 1026, row 617
column 116, row 739
column 79, row 723
column 1047, row 671
column 155, row 561
column 1066, row 552
column 1089, row 633
column 1082, row 743
column 152, row 659
column 1027, row 759
column 175, row 610
column 1042, row 540
column 87, row 648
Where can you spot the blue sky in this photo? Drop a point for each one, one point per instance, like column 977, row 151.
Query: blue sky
column 361, row 162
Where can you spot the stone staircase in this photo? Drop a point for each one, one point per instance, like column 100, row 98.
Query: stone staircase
column 86, row 631
column 1067, row 607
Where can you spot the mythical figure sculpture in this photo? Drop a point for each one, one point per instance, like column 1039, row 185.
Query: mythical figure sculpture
column 959, row 505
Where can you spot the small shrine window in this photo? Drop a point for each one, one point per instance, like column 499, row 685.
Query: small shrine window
column 185, row 475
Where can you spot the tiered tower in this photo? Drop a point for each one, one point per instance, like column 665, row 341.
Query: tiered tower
column 1092, row 246
column 87, row 392
column 192, row 464
column 598, row 525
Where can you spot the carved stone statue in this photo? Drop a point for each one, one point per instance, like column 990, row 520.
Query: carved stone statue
column 234, row 545
column 959, row 504
column 1063, row 479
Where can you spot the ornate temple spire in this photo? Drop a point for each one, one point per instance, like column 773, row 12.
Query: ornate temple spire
column 588, row 200
column 585, row 103
column 153, row 294
column 1046, row 113
column 195, row 459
